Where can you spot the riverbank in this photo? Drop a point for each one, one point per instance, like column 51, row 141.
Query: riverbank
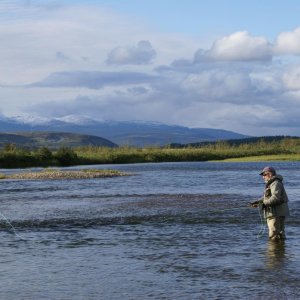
column 66, row 174
column 278, row 157
column 285, row 150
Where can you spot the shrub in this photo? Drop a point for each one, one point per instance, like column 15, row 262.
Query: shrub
column 9, row 147
column 66, row 156
column 44, row 154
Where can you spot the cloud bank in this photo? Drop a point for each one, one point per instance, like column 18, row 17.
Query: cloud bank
column 92, row 79
column 143, row 53
column 91, row 61
column 239, row 46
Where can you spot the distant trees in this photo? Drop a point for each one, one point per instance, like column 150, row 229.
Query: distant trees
column 9, row 147
column 66, row 156
column 44, row 154
column 13, row 157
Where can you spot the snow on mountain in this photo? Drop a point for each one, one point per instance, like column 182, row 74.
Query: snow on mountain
column 30, row 120
column 79, row 120
column 135, row 133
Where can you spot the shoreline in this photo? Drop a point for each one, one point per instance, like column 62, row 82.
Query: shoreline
column 262, row 158
column 96, row 173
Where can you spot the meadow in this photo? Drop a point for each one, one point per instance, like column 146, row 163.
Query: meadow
column 285, row 149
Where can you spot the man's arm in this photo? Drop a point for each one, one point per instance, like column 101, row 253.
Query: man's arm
column 276, row 194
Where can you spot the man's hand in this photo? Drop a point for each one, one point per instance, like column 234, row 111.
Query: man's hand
column 255, row 204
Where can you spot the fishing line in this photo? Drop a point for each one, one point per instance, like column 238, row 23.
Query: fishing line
column 259, row 235
column 262, row 224
column 12, row 227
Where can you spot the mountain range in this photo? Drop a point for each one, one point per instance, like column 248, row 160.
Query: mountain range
column 52, row 140
column 135, row 133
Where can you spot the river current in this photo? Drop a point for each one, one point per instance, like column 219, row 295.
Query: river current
column 167, row 231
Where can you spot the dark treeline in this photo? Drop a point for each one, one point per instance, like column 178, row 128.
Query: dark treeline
column 14, row 157
column 237, row 142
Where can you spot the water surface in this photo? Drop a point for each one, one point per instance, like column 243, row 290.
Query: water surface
column 170, row 231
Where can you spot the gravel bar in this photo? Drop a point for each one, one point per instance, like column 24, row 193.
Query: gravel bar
column 59, row 174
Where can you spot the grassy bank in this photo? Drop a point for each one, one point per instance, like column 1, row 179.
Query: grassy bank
column 278, row 157
column 286, row 149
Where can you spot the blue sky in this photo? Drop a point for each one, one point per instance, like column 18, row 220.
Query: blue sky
column 200, row 17
column 217, row 64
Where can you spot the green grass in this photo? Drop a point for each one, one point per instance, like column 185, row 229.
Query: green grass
column 276, row 157
column 286, row 149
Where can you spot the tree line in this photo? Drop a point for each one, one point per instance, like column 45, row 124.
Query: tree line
column 17, row 157
column 12, row 156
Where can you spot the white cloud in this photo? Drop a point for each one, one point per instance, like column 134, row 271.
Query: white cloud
column 291, row 78
column 239, row 46
column 143, row 53
column 84, row 35
column 288, row 42
column 218, row 85
column 267, row 82
column 233, row 84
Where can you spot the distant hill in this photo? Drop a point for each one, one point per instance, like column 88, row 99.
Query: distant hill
column 123, row 133
column 52, row 140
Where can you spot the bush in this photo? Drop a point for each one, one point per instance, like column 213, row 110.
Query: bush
column 66, row 156
column 16, row 160
column 10, row 147
column 44, row 154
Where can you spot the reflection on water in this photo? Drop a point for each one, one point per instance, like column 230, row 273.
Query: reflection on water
column 275, row 254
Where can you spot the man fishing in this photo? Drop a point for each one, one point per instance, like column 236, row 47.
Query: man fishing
column 274, row 203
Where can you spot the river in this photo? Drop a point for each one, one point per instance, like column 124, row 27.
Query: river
column 168, row 231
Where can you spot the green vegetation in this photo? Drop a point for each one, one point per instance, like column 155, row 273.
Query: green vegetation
column 278, row 157
column 14, row 157
column 284, row 149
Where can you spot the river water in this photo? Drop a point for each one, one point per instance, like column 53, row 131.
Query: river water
column 168, row 231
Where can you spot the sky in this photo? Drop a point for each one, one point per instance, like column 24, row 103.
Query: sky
column 227, row 64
